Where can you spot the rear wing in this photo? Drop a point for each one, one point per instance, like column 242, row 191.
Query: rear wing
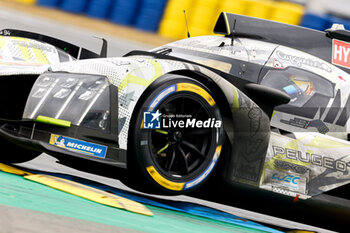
column 317, row 43
column 73, row 50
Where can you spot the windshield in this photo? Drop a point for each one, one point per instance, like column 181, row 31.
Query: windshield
column 300, row 85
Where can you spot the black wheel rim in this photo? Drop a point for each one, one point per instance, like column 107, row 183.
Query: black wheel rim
column 181, row 153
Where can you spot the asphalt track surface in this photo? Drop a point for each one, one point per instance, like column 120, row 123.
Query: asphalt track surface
column 31, row 220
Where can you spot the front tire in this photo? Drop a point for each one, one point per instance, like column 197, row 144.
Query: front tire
column 174, row 159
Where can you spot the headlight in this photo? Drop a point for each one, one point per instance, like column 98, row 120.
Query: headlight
column 82, row 99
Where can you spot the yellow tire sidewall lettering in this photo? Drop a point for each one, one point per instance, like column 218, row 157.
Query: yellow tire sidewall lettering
column 196, row 89
column 164, row 182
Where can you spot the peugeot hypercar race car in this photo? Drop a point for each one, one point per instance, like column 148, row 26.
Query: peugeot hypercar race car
column 270, row 100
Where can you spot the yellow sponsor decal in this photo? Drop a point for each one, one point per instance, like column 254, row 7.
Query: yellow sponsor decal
column 158, row 71
column 326, row 143
column 29, row 52
column 235, row 100
column 293, row 145
column 196, row 89
column 40, row 56
column 130, row 78
column 53, row 121
column 90, row 193
column 2, row 41
column 24, row 50
column 164, row 182
column 52, row 139
column 273, row 113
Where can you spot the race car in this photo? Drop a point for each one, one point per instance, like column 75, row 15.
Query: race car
column 268, row 100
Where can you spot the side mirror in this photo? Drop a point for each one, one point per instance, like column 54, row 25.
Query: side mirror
column 267, row 98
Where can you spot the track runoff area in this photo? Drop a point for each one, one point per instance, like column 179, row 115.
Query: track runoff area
column 83, row 199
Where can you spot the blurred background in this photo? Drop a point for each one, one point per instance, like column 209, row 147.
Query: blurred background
column 166, row 17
